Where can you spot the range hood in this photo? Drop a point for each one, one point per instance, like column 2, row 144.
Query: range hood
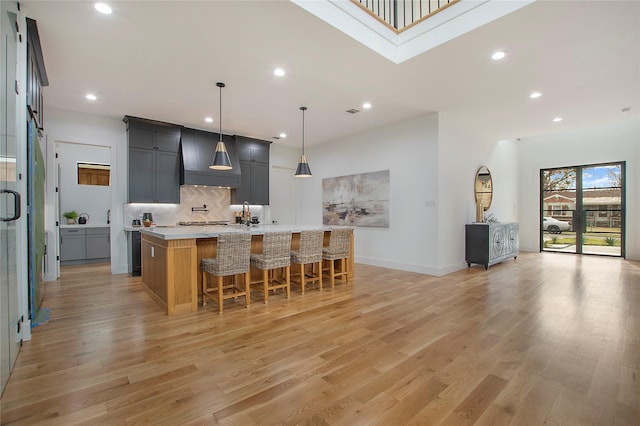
column 198, row 147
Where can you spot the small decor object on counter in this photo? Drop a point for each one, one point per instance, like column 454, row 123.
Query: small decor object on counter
column 136, row 223
column 491, row 218
column 71, row 216
column 83, row 218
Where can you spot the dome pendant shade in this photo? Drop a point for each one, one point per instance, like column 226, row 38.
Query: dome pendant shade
column 221, row 160
column 303, row 169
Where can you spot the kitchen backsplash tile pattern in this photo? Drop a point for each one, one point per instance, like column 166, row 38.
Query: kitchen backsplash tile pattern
column 216, row 201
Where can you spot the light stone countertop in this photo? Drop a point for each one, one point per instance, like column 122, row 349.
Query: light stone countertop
column 212, row 231
column 87, row 225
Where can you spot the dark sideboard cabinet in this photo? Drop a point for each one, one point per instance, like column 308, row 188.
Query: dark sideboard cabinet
column 490, row 243
column 154, row 161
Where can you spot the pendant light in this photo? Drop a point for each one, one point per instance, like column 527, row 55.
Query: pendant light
column 303, row 169
column 221, row 160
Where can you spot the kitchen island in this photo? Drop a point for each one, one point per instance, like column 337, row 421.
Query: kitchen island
column 171, row 259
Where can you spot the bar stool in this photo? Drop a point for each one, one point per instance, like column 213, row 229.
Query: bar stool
column 338, row 249
column 310, row 252
column 276, row 248
column 232, row 258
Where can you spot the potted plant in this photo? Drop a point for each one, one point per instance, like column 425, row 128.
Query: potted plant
column 71, row 216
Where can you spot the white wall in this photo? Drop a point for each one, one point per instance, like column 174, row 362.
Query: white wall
column 64, row 126
column 619, row 141
column 90, row 199
column 409, row 150
column 461, row 153
column 282, row 198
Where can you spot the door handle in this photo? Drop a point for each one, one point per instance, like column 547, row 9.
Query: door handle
column 16, row 203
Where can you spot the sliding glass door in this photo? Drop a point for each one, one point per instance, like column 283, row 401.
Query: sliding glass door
column 582, row 209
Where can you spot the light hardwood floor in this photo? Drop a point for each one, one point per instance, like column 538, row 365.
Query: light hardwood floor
column 546, row 339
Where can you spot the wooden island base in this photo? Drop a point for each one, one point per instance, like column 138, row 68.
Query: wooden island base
column 171, row 268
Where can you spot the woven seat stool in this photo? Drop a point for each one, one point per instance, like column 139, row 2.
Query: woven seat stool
column 338, row 250
column 232, row 259
column 309, row 252
column 276, row 249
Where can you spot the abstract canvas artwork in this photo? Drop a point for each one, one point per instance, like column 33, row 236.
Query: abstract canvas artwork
column 357, row 200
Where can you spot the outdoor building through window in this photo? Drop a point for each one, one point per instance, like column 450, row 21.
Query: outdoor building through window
column 582, row 209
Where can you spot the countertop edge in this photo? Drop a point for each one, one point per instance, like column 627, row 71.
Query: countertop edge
column 88, row 225
column 208, row 232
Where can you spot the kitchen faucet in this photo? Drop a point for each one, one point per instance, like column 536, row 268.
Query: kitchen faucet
column 246, row 214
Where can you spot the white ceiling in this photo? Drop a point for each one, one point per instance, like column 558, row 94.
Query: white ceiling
column 161, row 60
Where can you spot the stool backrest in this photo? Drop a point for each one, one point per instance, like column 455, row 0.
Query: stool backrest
column 311, row 243
column 233, row 253
column 339, row 241
column 276, row 245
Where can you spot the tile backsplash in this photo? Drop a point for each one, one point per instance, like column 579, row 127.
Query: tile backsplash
column 216, row 201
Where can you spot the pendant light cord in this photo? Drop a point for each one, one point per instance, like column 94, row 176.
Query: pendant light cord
column 303, row 131
column 220, row 123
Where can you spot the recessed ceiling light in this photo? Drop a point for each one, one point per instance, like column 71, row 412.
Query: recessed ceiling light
column 283, row 135
column 366, row 105
column 535, row 95
column 208, row 119
column 103, row 8
column 279, row 72
column 91, row 96
column 557, row 119
column 498, row 55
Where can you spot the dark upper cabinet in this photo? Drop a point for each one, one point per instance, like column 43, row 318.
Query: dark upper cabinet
column 253, row 155
column 141, row 175
column 243, row 192
column 198, row 148
column 252, row 149
column 154, row 161
column 167, row 178
column 260, row 183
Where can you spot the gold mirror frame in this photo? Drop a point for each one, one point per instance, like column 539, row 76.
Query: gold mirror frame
column 483, row 189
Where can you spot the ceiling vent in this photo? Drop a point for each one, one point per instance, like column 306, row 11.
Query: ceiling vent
column 353, row 111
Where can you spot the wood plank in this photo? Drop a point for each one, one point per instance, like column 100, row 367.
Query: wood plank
column 544, row 340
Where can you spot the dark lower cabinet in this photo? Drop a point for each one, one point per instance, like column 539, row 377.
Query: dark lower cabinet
column 135, row 259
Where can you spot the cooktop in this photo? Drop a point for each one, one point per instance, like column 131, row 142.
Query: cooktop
column 204, row 223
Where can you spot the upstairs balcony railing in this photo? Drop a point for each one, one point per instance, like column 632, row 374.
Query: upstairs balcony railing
column 400, row 15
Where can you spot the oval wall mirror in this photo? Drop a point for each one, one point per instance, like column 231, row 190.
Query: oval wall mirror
column 483, row 188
